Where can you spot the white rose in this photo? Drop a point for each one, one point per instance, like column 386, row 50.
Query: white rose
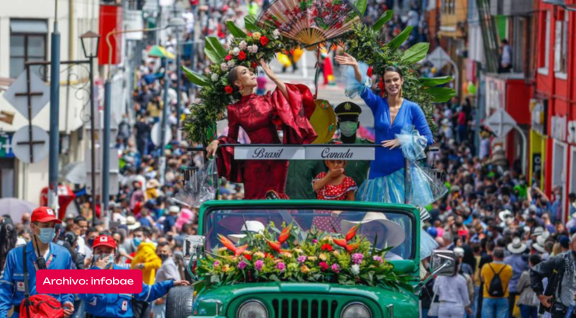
column 224, row 67
column 231, row 63
column 276, row 33
column 355, row 269
column 253, row 49
column 214, row 77
column 243, row 45
column 235, row 51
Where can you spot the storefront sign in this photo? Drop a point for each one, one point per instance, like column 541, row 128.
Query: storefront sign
column 269, row 153
column 536, row 162
column 495, row 94
column 6, row 146
column 558, row 130
column 331, row 153
column 539, row 116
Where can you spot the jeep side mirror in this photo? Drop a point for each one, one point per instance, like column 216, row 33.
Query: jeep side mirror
column 443, row 263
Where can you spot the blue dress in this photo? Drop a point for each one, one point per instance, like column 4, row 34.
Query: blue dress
column 387, row 179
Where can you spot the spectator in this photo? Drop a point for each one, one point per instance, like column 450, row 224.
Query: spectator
column 496, row 278
column 168, row 271
column 148, row 262
column 452, row 293
column 528, row 300
column 170, row 220
column 519, row 266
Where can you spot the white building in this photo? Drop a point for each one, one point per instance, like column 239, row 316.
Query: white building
column 25, row 28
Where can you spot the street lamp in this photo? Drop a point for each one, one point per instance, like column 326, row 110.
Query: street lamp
column 561, row 3
column 90, row 43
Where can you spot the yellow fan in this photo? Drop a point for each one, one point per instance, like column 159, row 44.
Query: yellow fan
column 324, row 121
column 310, row 22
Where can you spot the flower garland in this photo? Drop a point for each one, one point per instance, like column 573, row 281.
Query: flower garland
column 314, row 257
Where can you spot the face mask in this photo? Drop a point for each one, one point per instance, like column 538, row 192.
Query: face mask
column 90, row 242
column 47, row 235
column 136, row 241
column 169, row 193
column 348, row 128
column 108, row 257
column 163, row 257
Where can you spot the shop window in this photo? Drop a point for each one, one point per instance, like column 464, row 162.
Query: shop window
column 27, row 43
column 561, row 45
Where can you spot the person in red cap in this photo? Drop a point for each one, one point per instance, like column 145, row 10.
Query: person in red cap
column 41, row 253
column 119, row 305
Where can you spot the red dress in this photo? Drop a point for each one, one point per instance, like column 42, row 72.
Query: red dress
column 335, row 192
column 258, row 116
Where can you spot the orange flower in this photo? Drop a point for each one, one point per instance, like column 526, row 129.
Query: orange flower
column 352, row 247
column 285, row 234
column 352, row 232
column 240, row 249
column 274, row 245
column 226, row 242
column 341, row 243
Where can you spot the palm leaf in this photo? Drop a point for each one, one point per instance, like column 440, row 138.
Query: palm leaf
column 250, row 23
column 235, row 30
column 440, row 94
column 361, row 6
column 387, row 16
column 400, row 39
column 214, row 50
column 416, row 53
column 195, row 78
column 434, row 81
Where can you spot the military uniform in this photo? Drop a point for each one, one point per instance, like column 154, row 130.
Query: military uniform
column 300, row 176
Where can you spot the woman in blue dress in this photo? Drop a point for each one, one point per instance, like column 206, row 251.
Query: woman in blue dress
column 402, row 130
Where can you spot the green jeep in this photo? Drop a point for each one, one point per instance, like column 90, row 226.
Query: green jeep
column 304, row 259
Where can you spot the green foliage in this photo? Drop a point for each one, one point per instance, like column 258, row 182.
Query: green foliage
column 361, row 6
column 235, row 30
column 435, row 81
column 416, row 53
column 387, row 16
column 397, row 42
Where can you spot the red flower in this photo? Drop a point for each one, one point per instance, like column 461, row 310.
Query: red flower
column 253, row 64
column 285, row 234
column 249, row 34
column 274, row 245
column 264, row 40
column 352, row 232
column 229, row 89
column 241, row 56
column 338, row 25
column 248, row 257
column 324, row 266
column 228, row 57
column 369, row 73
column 327, row 247
column 341, row 242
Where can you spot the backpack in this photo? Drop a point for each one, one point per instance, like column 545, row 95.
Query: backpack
column 496, row 289
column 38, row 306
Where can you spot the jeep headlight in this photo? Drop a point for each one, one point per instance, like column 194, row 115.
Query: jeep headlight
column 356, row 310
column 252, row 309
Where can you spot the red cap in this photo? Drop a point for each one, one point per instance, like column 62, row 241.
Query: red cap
column 104, row 240
column 44, row 215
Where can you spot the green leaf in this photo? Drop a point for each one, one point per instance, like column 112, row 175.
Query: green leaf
column 215, row 279
column 235, row 30
column 434, row 81
column 400, row 39
column 250, row 23
column 440, row 94
column 387, row 16
column 214, row 50
column 416, row 53
column 361, row 6
column 196, row 78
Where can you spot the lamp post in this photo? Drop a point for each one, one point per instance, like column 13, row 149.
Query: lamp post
column 176, row 22
column 90, row 43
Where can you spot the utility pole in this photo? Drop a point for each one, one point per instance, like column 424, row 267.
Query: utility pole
column 54, row 114
column 162, row 162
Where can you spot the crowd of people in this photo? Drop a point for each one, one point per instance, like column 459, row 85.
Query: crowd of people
column 513, row 243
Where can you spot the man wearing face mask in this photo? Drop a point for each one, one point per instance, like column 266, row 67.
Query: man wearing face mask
column 348, row 114
column 119, row 305
column 41, row 253
column 168, row 271
column 145, row 260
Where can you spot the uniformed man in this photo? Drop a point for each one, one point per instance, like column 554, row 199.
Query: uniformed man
column 119, row 305
column 41, row 253
column 348, row 114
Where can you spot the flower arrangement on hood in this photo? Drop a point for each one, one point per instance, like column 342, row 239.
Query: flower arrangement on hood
column 294, row 256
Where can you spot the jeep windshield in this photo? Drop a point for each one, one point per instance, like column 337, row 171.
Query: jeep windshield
column 385, row 228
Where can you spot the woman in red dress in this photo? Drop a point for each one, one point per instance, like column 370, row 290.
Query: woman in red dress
column 288, row 108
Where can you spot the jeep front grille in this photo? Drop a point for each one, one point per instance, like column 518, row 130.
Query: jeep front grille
column 304, row 308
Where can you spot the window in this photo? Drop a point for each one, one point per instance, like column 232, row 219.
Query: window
column 544, row 37
column 27, row 43
column 561, row 45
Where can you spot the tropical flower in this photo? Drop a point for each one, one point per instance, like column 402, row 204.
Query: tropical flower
column 281, row 266
column 235, row 51
column 357, row 258
column 336, row 268
column 214, row 77
column 224, row 67
column 324, row 266
column 259, row 264
column 302, row 259
column 242, row 265
column 355, row 269
column 243, row 45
